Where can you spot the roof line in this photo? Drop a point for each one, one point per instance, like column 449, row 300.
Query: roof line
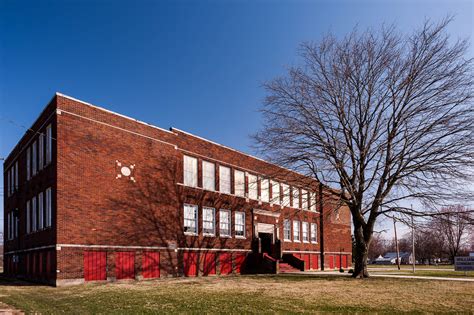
column 112, row 112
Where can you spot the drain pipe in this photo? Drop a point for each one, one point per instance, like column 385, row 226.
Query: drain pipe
column 321, row 224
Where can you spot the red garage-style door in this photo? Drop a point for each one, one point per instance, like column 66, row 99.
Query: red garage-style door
column 190, row 262
column 344, row 261
column 306, row 260
column 331, row 262
column 95, row 266
column 209, row 264
column 314, row 261
column 151, row 265
column 239, row 262
column 225, row 261
column 125, row 265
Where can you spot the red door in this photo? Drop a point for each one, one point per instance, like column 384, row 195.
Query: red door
column 338, row 261
column 209, row 264
column 314, row 261
column 190, row 264
column 95, row 266
column 306, row 259
column 225, row 261
column 344, row 261
column 125, row 265
column 239, row 262
column 151, row 265
column 331, row 262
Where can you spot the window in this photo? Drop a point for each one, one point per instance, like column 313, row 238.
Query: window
column 240, row 224
column 28, row 217
column 40, row 211
column 313, row 201
column 224, row 179
column 16, row 175
column 296, row 231
column 224, row 223
column 305, row 232
column 49, row 144
column 314, row 231
column 304, row 199
column 34, row 214
column 253, row 192
column 41, row 151
column 190, row 219
column 275, row 192
column 190, row 171
column 16, row 225
column 208, row 221
column 286, row 230
column 296, row 197
column 208, row 175
column 48, row 208
column 265, row 190
column 28, row 163
column 239, row 183
column 35, row 157
column 286, row 195
column 8, row 226
column 8, row 183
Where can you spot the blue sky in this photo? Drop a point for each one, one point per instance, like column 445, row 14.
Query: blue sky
column 194, row 65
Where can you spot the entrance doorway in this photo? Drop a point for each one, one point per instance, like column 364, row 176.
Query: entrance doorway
column 266, row 242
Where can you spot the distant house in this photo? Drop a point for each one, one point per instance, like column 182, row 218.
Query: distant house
column 391, row 258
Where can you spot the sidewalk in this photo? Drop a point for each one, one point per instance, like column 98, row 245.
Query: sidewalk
column 378, row 275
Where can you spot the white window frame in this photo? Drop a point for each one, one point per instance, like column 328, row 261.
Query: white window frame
column 312, row 201
column 48, row 207
column 28, row 217
column 208, row 175
column 236, row 224
column 265, row 190
column 296, row 197
column 287, row 230
column 239, row 183
column 34, row 214
column 252, row 186
column 305, row 232
column 8, row 184
column 40, row 211
column 224, row 179
column 275, row 192
column 8, row 226
column 304, row 199
column 16, row 175
column 314, row 233
column 35, row 158
column 205, row 211
column 195, row 219
column 296, row 231
column 286, row 195
column 229, row 223
column 40, row 151
column 28, row 163
column 49, row 144
column 17, row 222
column 190, row 171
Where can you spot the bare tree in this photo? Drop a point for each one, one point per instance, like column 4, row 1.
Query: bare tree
column 452, row 227
column 381, row 116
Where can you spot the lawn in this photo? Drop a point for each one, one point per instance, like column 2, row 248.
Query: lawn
column 428, row 273
column 246, row 294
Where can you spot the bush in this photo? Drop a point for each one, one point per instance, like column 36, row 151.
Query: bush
column 341, row 270
column 351, row 271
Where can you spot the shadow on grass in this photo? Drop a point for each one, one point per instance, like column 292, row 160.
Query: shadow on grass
column 6, row 281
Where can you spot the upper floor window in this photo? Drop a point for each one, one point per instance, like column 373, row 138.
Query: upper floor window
column 48, row 217
column 296, row 197
column 8, row 183
column 224, row 179
column 49, row 144
column 265, row 190
column 275, row 192
column 40, row 211
column 190, row 171
column 208, row 175
column 16, row 175
column 305, row 226
column 34, row 214
column 287, row 230
column 314, row 231
column 312, row 200
column 304, row 199
column 224, row 223
column 208, row 221
column 190, row 219
column 28, row 217
column 296, row 231
column 239, row 183
column 41, row 151
column 28, row 163
column 253, row 184
column 240, row 224
column 35, row 157
column 286, row 195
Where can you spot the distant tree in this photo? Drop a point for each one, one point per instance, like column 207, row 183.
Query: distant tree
column 379, row 246
column 381, row 116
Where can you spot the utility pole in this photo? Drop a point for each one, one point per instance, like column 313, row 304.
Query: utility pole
column 413, row 239
column 396, row 243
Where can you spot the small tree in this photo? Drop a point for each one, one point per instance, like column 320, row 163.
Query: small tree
column 381, row 116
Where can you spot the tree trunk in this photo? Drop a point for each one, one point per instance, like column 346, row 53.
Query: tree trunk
column 361, row 253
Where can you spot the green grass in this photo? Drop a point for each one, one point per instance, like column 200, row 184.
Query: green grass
column 428, row 273
column 246, row 294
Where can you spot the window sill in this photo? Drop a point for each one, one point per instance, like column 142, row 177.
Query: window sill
column 208, row 235
column 314, row 242
column 288, row 241
column 225, row 236
column 190, row 233
column 294, row 241
column 240, row 237
column 306, row 242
